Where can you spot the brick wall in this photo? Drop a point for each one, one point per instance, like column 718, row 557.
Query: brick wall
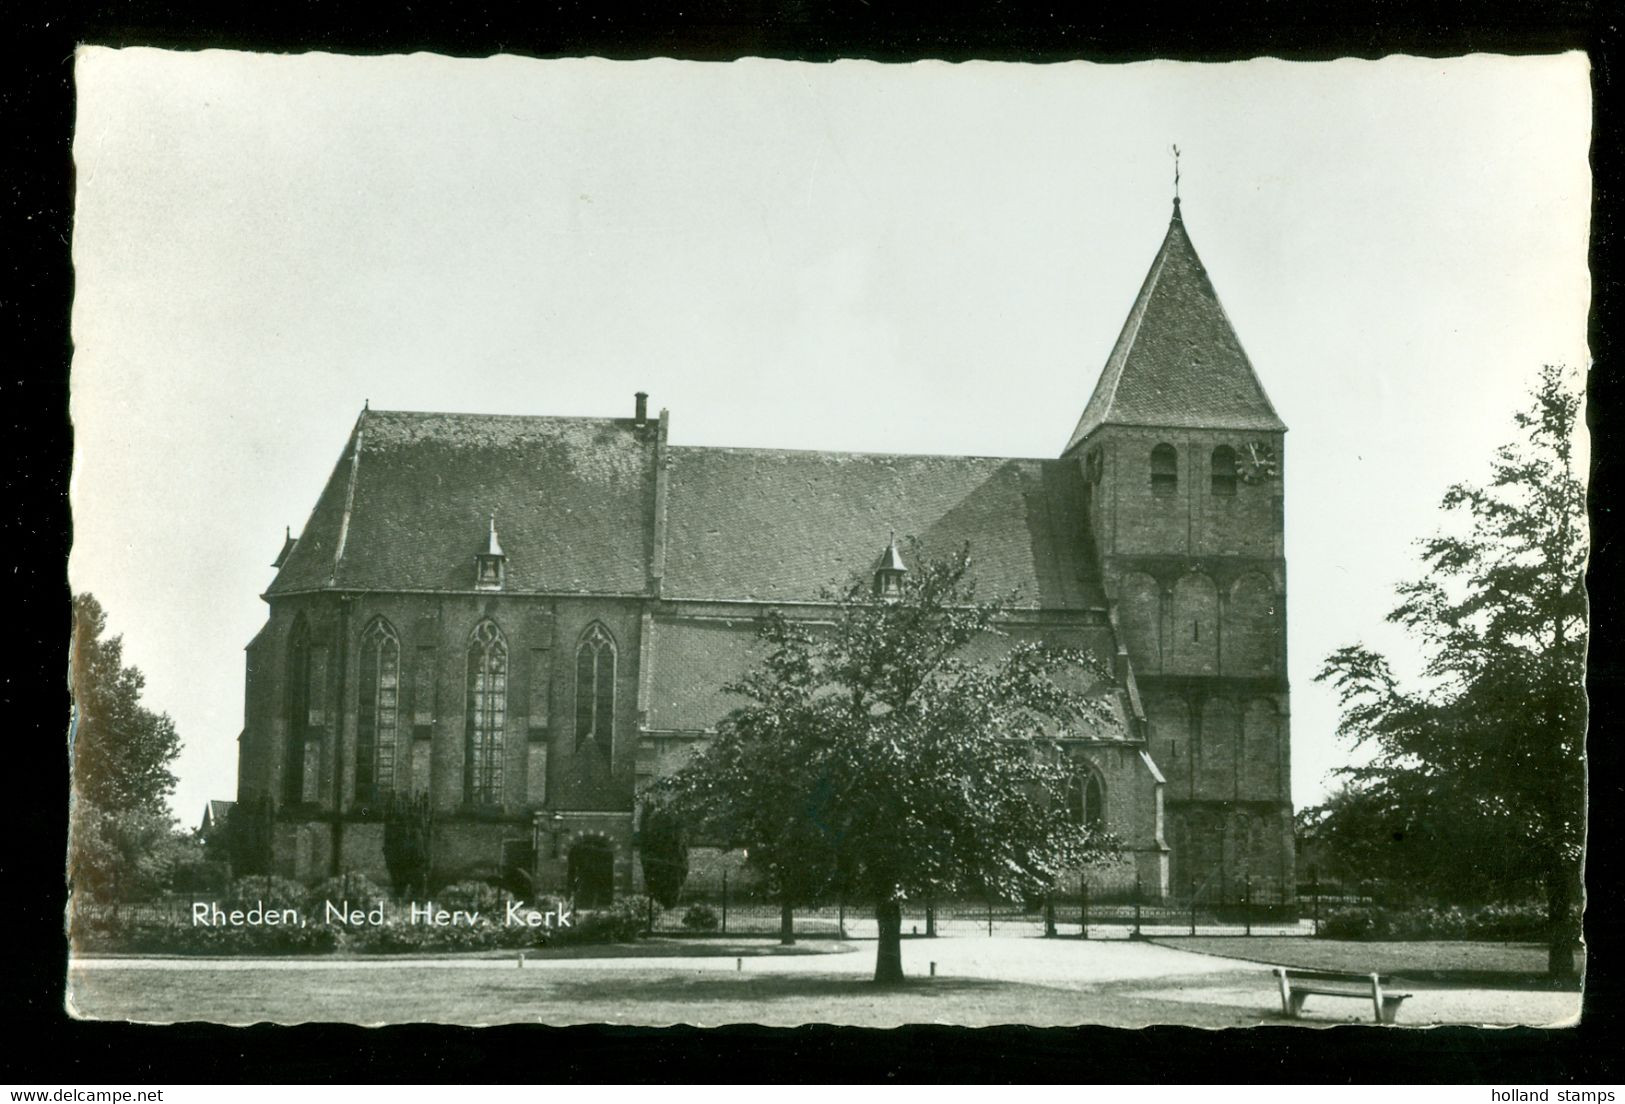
column 1198, row 582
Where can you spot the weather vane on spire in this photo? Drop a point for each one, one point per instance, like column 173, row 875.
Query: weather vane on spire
column 1176, row 174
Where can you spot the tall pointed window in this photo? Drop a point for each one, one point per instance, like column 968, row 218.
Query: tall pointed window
column 298, row 684
column 595, row 688
column 1224, row 472
column 1086, row 801
column 1164, row 470
column 487, row 715
column 377, row 711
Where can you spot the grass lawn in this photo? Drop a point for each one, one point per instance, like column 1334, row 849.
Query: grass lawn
column 1482, row 965
column 570, row 994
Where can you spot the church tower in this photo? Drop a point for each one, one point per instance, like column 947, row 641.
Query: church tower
column 1181, row 452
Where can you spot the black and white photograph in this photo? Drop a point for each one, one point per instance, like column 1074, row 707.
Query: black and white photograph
column 660, row 542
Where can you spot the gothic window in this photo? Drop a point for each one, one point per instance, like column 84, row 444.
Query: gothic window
column 1224, row 472
column 487, row 715
column 595, row 688
column 1086, row 801
column 1164, row 470
column 377, row 711
column 298, row 684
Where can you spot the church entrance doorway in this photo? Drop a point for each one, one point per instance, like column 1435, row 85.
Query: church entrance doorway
column 592, row 873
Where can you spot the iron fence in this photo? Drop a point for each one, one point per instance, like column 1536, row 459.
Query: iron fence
column 1077, row 911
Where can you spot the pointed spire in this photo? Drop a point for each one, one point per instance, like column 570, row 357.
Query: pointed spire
column 1177, row 362
column 493, row 547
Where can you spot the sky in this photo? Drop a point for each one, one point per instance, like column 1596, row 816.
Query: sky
column 858, row 256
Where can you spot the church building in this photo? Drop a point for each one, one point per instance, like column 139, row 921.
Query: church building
column 529, row 618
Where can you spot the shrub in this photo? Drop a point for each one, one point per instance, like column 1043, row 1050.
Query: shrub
column 200, row 878
column 1508, row 922
column 663, row 846
column 358, row 889
column 180, row 936
column 269, row 890
column 700, row 918
column 621, row 922
column 1490, row 922
column 480, row 897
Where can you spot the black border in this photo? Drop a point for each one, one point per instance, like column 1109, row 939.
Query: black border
column 47, row 1047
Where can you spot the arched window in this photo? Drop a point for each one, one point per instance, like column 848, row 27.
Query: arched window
column 1086, row 801
column 595, row 688
column 487, row 715
column 1164, row 470
column 377, row 711
column 298, row 684
column 1224, row 472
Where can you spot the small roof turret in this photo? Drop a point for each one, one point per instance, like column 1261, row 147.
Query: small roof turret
column 491, row 565
column 288, row 543
column 889, row 571
column 891, row 559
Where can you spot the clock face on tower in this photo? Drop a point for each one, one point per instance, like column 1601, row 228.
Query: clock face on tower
column 1258, row 462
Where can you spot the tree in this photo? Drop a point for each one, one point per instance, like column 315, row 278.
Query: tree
column 663, row 847
column 123, row 855
column 408, row 843
column 1491, row 745
column 121, row 751
column 874, row 759
column 122, row 839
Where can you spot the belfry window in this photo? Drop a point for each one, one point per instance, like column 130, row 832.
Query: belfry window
column 1164, row 470
column 1224, row 472
column 595, row 688
column 377, row 711
column 487, row 715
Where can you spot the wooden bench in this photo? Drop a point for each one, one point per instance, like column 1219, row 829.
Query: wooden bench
column 1298, row 986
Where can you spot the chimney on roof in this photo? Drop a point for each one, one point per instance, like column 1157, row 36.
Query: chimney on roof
column 642, row 414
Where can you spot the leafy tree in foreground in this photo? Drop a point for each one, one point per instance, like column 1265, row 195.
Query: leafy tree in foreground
column 124, row 855
column 873, row 759
column 121, row 751
column 1490, row 750
column 122, row 838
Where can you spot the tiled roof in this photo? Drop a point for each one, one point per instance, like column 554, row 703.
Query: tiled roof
column 1177, row 361
column 692, row 660
column 775, row 525
column 572, row 499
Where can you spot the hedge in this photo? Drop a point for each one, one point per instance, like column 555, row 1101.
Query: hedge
column 621, row 922
column 1490, row 923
